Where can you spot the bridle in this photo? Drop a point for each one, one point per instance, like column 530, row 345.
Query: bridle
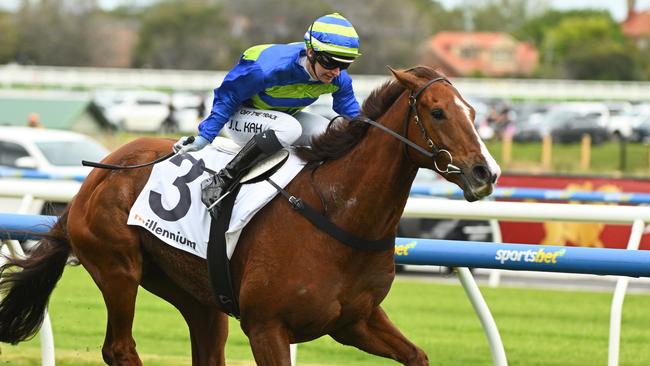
column 435, row 151
column 413, row 99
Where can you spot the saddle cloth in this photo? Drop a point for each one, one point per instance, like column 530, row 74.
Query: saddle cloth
column 169, row 206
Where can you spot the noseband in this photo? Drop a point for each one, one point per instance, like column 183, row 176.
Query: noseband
column 435, row 151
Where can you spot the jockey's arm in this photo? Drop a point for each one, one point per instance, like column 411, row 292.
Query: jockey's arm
column 241, row 83
column 345, row 103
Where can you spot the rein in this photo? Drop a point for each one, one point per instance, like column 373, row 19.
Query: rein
column 118, row 167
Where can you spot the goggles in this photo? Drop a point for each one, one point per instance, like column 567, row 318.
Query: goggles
column 329, row 62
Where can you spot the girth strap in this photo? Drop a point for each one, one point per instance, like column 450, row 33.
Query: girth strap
column 324, row 224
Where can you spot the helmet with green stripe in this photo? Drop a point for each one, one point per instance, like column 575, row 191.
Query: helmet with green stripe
column 335, row 35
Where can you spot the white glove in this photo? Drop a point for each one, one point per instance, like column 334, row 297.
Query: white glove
column 190, row 143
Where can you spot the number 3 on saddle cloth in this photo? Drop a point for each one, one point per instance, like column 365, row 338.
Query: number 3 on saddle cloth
column 169, row 206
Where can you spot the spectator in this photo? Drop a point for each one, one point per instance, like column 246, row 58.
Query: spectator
column 200, row 108
column 34, row 120
column 500, row 119
column 170, row 124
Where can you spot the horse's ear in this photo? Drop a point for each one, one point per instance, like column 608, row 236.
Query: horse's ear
column 405, row 78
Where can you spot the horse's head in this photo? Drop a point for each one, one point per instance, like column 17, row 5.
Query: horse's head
column 442, row 122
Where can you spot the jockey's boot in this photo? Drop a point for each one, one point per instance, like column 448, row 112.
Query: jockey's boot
column 260, row 147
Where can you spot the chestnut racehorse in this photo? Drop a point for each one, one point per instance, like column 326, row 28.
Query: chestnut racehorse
column 294, row 282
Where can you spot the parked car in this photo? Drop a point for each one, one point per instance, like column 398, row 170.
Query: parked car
column 530, row 130
column 527, row 121
column 625, row 117
column 48, row 151
column 190, row 109
column 572, row 127
column 567, row 122
column 641, row 133
column 134, row 110
column 620, row 119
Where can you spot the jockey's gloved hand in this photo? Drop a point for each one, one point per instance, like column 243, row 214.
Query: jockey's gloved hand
column 190, row 143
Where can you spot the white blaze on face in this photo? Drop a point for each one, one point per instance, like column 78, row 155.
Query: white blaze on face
column 492, row 164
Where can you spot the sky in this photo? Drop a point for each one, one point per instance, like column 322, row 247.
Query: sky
column 618, row 8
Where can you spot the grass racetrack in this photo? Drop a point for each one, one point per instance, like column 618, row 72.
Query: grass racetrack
column 538, row 327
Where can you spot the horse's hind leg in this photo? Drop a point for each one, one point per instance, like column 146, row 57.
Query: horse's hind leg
column 119, row 291
column 208, row 326
column 378, row 335
column 117, row 270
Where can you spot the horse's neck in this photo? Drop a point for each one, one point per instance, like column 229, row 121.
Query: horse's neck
column 368, row 188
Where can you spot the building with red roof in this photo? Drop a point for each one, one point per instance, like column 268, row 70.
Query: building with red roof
column 637, row 26
column 480, row 53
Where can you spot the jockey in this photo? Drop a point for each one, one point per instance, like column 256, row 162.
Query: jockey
column 261, row 98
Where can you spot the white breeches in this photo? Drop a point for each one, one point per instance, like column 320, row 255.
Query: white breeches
column 290, row 130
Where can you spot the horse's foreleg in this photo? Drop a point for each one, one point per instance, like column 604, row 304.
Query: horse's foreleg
column 107, row 352
column 270, row 344
column 379, row 336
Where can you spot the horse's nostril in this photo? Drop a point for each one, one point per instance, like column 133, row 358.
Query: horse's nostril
column 481, row 173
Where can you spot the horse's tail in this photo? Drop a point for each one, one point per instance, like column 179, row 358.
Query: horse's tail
column 27, row 291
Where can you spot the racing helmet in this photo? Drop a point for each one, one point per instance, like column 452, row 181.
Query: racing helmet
column 334, row 35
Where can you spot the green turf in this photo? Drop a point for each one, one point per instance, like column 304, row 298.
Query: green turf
column 538, row 327
column 605, row 158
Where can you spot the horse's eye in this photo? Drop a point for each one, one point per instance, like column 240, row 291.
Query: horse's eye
column 438, row 113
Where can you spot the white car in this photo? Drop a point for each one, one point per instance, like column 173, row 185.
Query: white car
column 134, row 110
column 623, row 121
column 54, row 152
column 190, row 109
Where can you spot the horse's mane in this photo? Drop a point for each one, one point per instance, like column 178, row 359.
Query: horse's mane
column 341, row 137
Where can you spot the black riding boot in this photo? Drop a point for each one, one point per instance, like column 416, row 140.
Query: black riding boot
column 260, row 147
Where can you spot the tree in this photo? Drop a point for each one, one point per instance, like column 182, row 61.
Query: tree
column 185, row 35
column 441, row 19
column 535, row 28
column 8, row 38
column 602, row 64
column 503, row 15
column 392, row 33
column 589, row 48
column 55, row 32
column 279, row 22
